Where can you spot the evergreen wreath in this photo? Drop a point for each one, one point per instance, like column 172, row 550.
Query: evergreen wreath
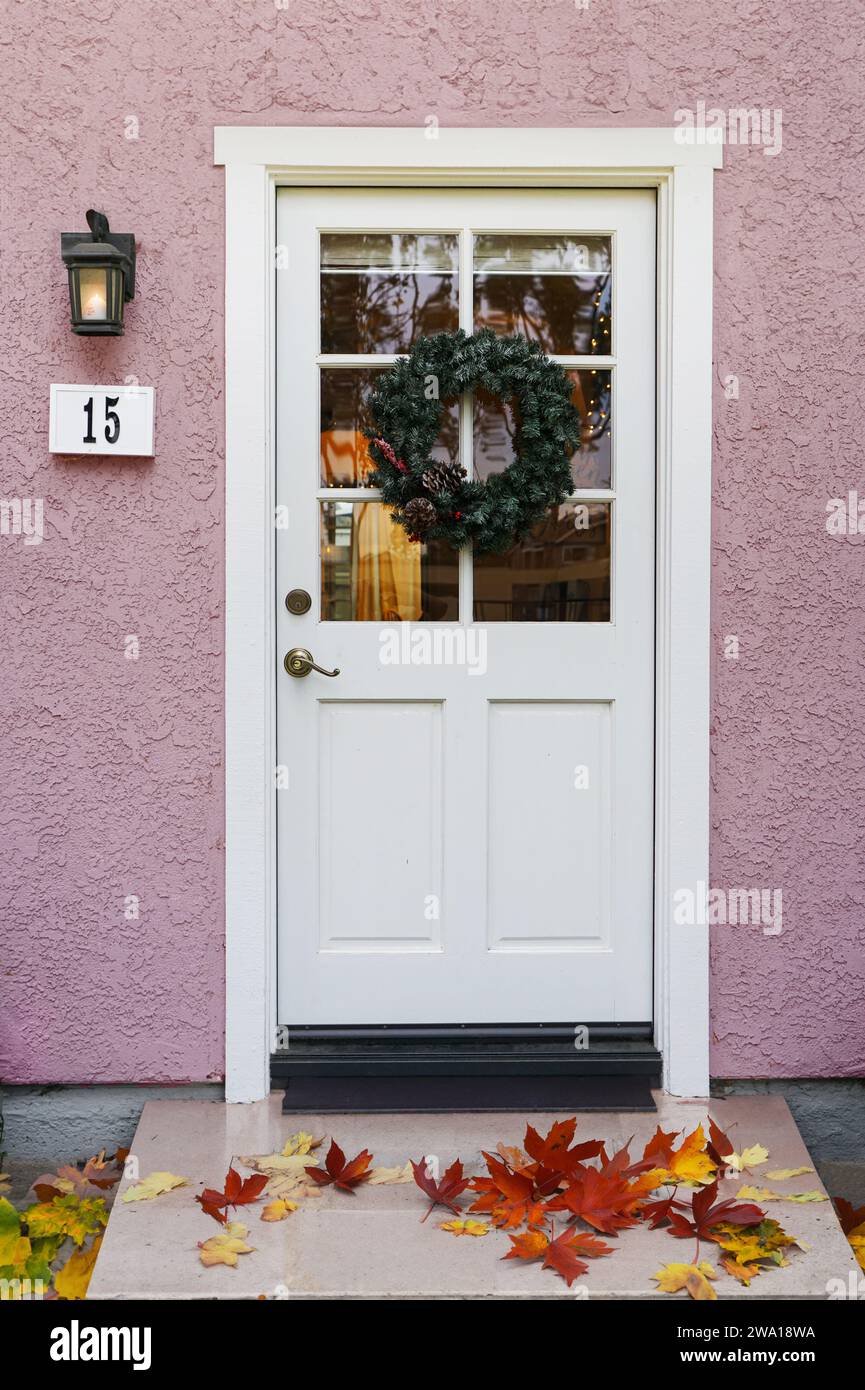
column 436, row 501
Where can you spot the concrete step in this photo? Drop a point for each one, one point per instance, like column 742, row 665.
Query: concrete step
column 373, row 1244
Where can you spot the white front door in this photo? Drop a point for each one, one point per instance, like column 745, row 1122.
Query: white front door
column 465, row 810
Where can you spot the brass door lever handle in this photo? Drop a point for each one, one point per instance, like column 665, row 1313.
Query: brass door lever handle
column 299, row 662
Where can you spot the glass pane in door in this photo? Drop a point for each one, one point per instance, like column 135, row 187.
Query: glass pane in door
column 380, row 291
column 555, row 289
column 372, row 572
column 344, row 455
column 495, row 426
column 559, row 574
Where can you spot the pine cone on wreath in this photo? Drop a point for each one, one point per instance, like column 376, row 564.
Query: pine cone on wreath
column 443, row 477
column 420, row 515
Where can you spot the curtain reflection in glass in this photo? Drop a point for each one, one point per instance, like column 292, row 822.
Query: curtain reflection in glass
column 555, row 290
column 559, row 574
column 381, row 291
column 372, row 572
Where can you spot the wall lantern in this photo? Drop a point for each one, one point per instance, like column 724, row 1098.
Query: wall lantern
column 101, row 275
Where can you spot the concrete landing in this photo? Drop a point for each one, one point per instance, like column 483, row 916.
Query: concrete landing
column 373, row 1245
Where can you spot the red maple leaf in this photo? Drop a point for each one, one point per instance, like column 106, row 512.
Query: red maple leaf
column 508, row 1198
column 606, row 1201
column 561, row 1254
column 707, row 1213
column 656, row 1213
column 445, row 1192
column 336, row 1170
column 553, row 1152
column 237, row 1192
column 719, row 1146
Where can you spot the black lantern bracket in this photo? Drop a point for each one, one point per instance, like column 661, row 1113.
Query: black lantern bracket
column 124, row 242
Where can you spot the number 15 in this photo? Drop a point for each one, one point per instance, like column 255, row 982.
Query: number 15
column 112, row 421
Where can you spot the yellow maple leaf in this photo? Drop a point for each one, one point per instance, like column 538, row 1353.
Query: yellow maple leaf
column 690, row 1163
column 278, row 1210
column 286, row 1174
column 748, row 1158
column 856, row 1238
column 744, row 1273
column 379, row 1176
column 694, row 1278
column 766, row 1194
column 300, row 1143
column 466, row 1228
column 779, row 1174
column 750, row 1243
column 72, row 1280
column 153, row 1186
column 224, row 1248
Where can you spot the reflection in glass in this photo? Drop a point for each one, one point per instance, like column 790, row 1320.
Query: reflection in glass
column 560, row 574
column 555, row 290
column 495, row 428
column 381, row 291
column 372, row 572
column 345, row 460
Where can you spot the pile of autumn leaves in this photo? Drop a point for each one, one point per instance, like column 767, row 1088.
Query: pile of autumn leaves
column 49, row 1249
column 555, row 1200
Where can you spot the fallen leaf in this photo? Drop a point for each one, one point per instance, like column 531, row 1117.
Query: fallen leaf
column 445, row 1192
column 66, row 1215
column 848, row 1215
column 609, row 1202
column 748, row 1244
column 856, row 1237
column 744, row 1273
column 153, row 1186
column 706, row 1214
column 465, row 1228
column 690, row 1163
column 516, row 1160
column 779, row 1174
column 278, row 1210
column 748, row 1158
column 224, row 1248
column 509, row 1199
column 237, row 1192
column 766, row 1194
column 72, row 1280
column 299, row 1144
column 380, row 1176
column 694, row 1278
column 562, row 1254
column 286, row 1175
column 344, row 1175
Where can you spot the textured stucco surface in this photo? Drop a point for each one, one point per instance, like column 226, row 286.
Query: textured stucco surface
column 111, row 769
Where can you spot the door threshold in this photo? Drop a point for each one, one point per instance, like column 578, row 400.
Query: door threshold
column 435, row 1070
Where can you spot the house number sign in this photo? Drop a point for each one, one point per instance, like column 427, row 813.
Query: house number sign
column 101, row 420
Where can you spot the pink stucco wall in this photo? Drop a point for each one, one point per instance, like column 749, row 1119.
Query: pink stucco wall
column 111, row 769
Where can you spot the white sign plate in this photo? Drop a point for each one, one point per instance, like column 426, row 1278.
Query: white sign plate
column 104, row 420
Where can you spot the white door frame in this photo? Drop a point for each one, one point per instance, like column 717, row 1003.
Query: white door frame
column 257, row 160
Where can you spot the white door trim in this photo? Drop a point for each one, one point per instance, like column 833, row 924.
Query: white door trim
column 259, row 158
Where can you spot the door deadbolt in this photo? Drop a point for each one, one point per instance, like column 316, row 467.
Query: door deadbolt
column 298, row 601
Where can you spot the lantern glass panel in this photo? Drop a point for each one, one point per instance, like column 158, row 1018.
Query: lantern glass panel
column 94, row 287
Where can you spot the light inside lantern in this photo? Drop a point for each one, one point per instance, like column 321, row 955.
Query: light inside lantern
column 93, row 289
